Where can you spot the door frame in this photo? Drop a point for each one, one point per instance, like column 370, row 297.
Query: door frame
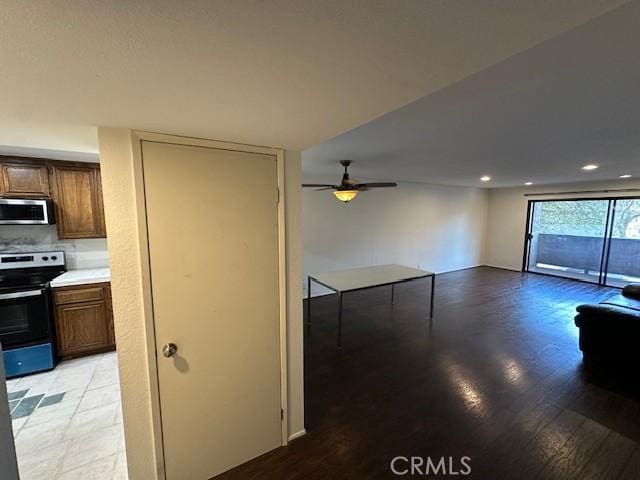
column 145, row 267
column 606, row 247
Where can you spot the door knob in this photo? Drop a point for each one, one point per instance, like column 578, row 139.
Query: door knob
column 169, row 350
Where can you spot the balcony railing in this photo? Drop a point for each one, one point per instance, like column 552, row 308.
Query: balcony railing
column 585, row 253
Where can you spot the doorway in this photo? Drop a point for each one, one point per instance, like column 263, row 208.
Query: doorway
column 57, row 322
column 593, row 240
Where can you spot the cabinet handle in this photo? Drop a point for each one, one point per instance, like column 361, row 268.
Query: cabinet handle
column 30, row 293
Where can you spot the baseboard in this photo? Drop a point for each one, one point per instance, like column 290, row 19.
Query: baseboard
column 297, row 435
column 461, row 269
column 502, row 267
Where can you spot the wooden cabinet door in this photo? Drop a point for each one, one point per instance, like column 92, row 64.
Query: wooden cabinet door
column 24, row 180
column 82, row 327
column 78, row 198
column 110, row 325
column 110, row 322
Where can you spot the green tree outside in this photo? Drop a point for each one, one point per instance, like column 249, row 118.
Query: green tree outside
column 587, row 218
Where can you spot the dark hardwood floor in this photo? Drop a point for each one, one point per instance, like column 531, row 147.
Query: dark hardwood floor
column 496, row 376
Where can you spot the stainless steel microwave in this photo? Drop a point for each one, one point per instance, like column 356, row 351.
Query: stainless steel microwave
column 22, row 211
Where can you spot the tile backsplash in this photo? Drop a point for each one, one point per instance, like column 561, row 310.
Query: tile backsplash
column 86, row 253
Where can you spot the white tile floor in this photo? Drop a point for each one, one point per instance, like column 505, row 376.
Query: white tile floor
column 81, row 437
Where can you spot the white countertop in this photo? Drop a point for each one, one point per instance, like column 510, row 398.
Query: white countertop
column 82, row 277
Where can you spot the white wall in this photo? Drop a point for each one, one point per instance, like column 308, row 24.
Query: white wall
column 508, row 216
column 134, row 357
column 434, row 227
column 295, row 329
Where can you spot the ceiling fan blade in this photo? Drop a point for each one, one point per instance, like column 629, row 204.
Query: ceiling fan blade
column 318, row 185
column 377, row 185
column 325, row 188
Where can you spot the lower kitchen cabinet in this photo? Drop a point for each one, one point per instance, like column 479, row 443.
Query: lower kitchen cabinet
column 84, row 319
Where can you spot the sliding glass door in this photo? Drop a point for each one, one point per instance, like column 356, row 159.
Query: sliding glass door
column 622, row 263
column 592, row 240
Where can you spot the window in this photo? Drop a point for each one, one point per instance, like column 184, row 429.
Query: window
column 592, row 240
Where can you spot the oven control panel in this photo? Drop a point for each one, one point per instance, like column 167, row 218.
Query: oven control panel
column 31, row 260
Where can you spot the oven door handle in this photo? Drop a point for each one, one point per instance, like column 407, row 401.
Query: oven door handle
column 28, row 293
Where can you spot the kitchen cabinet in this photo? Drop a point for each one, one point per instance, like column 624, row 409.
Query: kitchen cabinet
column 77, row 195
column 75, row 188
column 84, row 319
column 24, row 179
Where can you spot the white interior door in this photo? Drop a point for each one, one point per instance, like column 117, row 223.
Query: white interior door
column 213, row 247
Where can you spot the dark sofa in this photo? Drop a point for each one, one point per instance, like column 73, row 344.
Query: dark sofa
column 610, row 330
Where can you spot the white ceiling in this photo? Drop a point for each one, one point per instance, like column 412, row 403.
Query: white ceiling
column 278, row 73
column 538, row 116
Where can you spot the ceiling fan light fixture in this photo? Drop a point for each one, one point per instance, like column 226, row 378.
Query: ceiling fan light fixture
column 345, row 195
column 348, row 187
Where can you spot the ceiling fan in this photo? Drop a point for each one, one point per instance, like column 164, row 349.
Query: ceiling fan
column 349, row 188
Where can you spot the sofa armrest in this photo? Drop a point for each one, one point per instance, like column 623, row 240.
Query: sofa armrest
column 632, row 291
column 602, row 314
column 588, row 309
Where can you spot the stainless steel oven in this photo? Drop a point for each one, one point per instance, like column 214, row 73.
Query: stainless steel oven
column 22, row 211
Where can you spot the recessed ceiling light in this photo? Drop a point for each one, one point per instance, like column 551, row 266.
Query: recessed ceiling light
column 590, row 167
column 486, row 178
column 626, row 175
column 528, row 183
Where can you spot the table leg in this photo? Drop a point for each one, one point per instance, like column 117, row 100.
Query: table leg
column 433, row 288
column 339, row 319
column 392, row 292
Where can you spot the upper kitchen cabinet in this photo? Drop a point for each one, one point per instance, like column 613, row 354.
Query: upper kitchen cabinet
column 77, row 194
column 75, row 188
column 23, row 179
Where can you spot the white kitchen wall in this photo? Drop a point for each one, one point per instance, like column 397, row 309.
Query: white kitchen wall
column 433, row 227
column 508, row 215
column 85, row 253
